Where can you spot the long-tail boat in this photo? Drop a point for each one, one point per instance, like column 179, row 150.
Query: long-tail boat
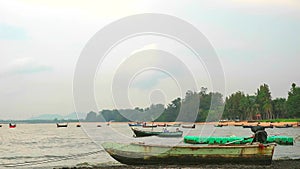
column 142, row 154
column 164, row 133
column 12, row 125
column 61, row 125
column 284, row 126
column 189, row 126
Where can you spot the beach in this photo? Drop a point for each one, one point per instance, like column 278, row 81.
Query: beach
column 276, row 164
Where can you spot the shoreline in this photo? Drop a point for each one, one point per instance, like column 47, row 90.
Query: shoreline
column 276, row 164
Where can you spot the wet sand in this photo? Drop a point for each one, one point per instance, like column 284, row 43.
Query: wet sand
column 276, row 164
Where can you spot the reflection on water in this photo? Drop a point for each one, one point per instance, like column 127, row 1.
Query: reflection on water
column 46, row 143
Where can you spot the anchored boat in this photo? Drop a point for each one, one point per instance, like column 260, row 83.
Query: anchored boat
column 12, row 125
column 142, row 154
column 189, row 126
column 62, row 125
column 165, row 133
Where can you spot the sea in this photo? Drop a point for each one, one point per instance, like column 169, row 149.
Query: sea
column 46, row 146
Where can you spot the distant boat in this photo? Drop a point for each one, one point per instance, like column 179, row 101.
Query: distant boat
column 164, row 133
column 108, row 123
column 78, row 125
column 189, row 126
column 12, row 125
column 269, row 126
column 134, row 124
column 0, row 125
column 174, row 125
column 221, row 125
column 62, row 125
column 99, row 125
column 248, row 126
column 145, row 154
column 162, row 125
column 149, row 126
column 284, row 126
column 238, row 125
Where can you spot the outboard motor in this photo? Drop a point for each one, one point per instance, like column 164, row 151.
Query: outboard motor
column 260, row 135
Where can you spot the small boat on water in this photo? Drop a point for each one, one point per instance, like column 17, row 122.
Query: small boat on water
column 144, row 154
column 99, row 125
column 174, row 125
column 248, row 126
column 134, row 124
column 62, row 125
column 164, row 133
column 11, row 125
column 220, row 125
column 78, row 125
column 268, row 126
column 189, row 126
column 284, row 126
column 238, row 125
column 149, row 126
column 162, row 125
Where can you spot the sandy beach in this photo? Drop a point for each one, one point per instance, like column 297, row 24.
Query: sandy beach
column 276, row 164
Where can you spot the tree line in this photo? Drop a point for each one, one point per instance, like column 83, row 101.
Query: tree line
column 210, row 106
column 261, row 106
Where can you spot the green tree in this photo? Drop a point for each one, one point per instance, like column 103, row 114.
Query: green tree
column 264, row 100
column 235, row 106
column 279, row 108
column 293, row 102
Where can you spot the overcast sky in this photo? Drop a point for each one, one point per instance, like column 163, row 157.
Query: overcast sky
column 40, row 41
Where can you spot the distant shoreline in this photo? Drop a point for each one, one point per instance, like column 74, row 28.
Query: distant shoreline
column 229, row 123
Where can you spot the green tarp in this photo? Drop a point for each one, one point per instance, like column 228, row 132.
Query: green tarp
column 282, row 140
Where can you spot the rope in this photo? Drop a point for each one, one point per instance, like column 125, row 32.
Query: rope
column 55, row 159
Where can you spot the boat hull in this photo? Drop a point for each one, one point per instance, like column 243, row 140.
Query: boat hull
column 140, row 154
column 189, row 126
column 61, row 125
column 142, row 133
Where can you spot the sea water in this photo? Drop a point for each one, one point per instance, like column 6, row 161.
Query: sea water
column 45, row 145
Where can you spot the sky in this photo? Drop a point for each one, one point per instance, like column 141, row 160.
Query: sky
column 256, row 42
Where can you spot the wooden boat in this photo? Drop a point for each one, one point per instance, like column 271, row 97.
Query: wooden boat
column 99, row 125
column 268, row 126
column 142, row 154
column 62, row 125
column 174, row 125
column 221, row 125
column 165, row 133
column 78, row 125
column 134, row 124
column 284, row 126
column 12, row 125
column 189, row 126
column 248, row 126
column 149, row 126
column 162, row 125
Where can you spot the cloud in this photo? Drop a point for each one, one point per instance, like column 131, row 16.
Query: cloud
column 23, row 66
